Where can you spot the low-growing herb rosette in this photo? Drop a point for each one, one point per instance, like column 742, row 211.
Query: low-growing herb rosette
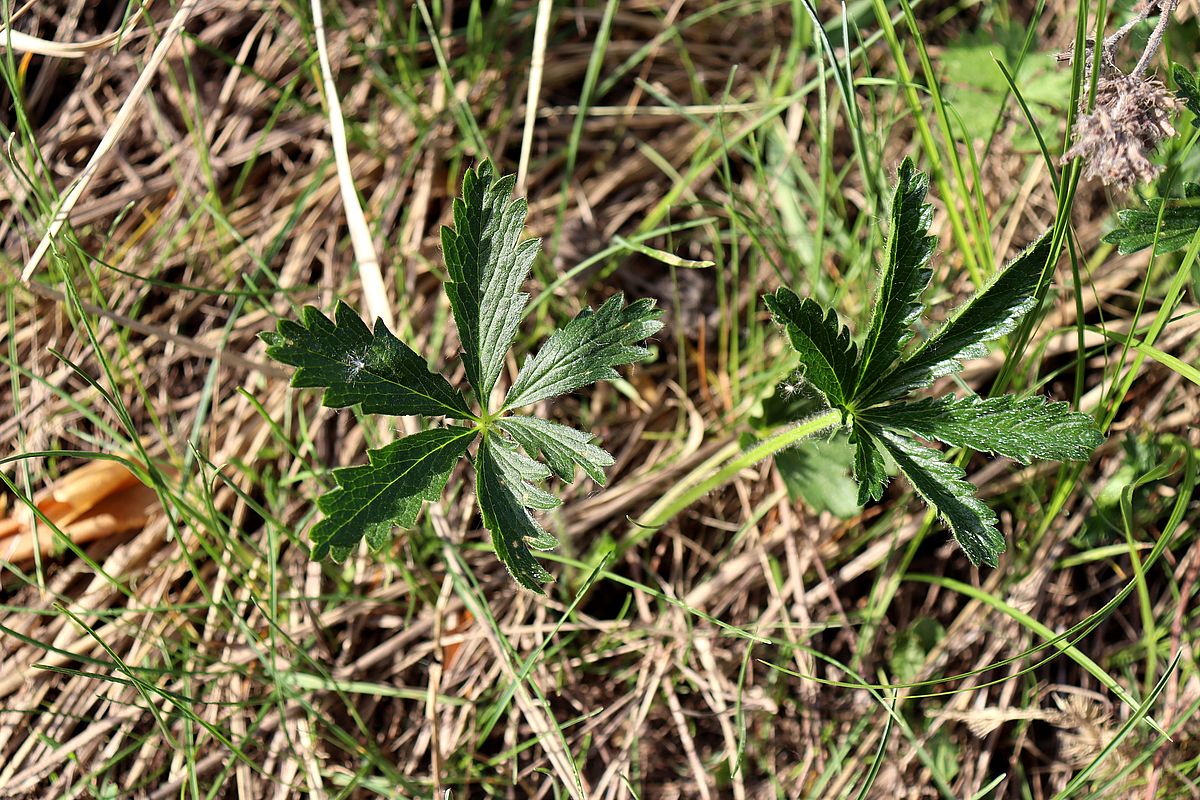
column 488, row 262
column 870, row 382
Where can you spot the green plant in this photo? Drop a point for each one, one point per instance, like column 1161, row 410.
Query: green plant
column 1168, row 229
column 488, row 263
column 869, row 382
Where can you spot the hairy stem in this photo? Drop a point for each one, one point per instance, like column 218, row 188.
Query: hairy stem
column 1165, row 9
column 732, row 460
column 1114, row 38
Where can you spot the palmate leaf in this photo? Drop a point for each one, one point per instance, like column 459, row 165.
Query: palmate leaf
column 993, row 312
column 586, row 350
column 356, row 366
column 827, row 354
column 488, row 264
column 871, row 392
column 1140, row 229
column 942, row 486
column 1021, row 428
column 905, row 276
column 370, row 500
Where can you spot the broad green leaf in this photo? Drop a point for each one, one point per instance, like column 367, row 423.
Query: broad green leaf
column 1139, row 227
column 515, row 533
column 372, row 499
column 1021, row 428
column 487, row 263
column 941, row 485
column 1188, row 88
column 586, row 350
column 987, row 316
column 905, row 276
column 563, row 448
column 374, row 370
column 869, row 469
column 818, row 472
column 827, row 353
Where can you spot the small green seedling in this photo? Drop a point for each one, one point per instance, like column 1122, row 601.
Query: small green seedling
column 869, row 382
column 488, row 264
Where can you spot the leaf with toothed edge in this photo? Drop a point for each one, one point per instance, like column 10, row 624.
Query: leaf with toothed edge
column 515, row 533
column 993, row 312
column 358, row 366
column 1140, row 227
column 827, row 354
column 906, row 274
column 943, row 486
column 563, row 448
column 869, row 383
column 487, row 262
column 1021, row 428
column 586, row 350
column 522, row 474
column 869, row 468
column 388, row 492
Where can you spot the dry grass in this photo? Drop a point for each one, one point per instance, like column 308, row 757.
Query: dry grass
column 205, row 655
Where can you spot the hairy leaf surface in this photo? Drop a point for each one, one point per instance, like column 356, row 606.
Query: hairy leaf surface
column 521, row 474
column 356, row 366
column 515, row 533
column 1139, row 227
column 871, row 392
column 563, row 448
column 905, row 276
column 586, row 350
column 488, row 263
column 826, row 351
column 990, row 314
column 1021, row 428
column 869, row 468
column 372, row 499
column 942, row 485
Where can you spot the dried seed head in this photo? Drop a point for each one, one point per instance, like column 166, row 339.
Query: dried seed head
column 1086, row 728
column 1131, row 117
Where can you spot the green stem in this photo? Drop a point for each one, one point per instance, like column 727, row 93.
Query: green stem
column 734, row 460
